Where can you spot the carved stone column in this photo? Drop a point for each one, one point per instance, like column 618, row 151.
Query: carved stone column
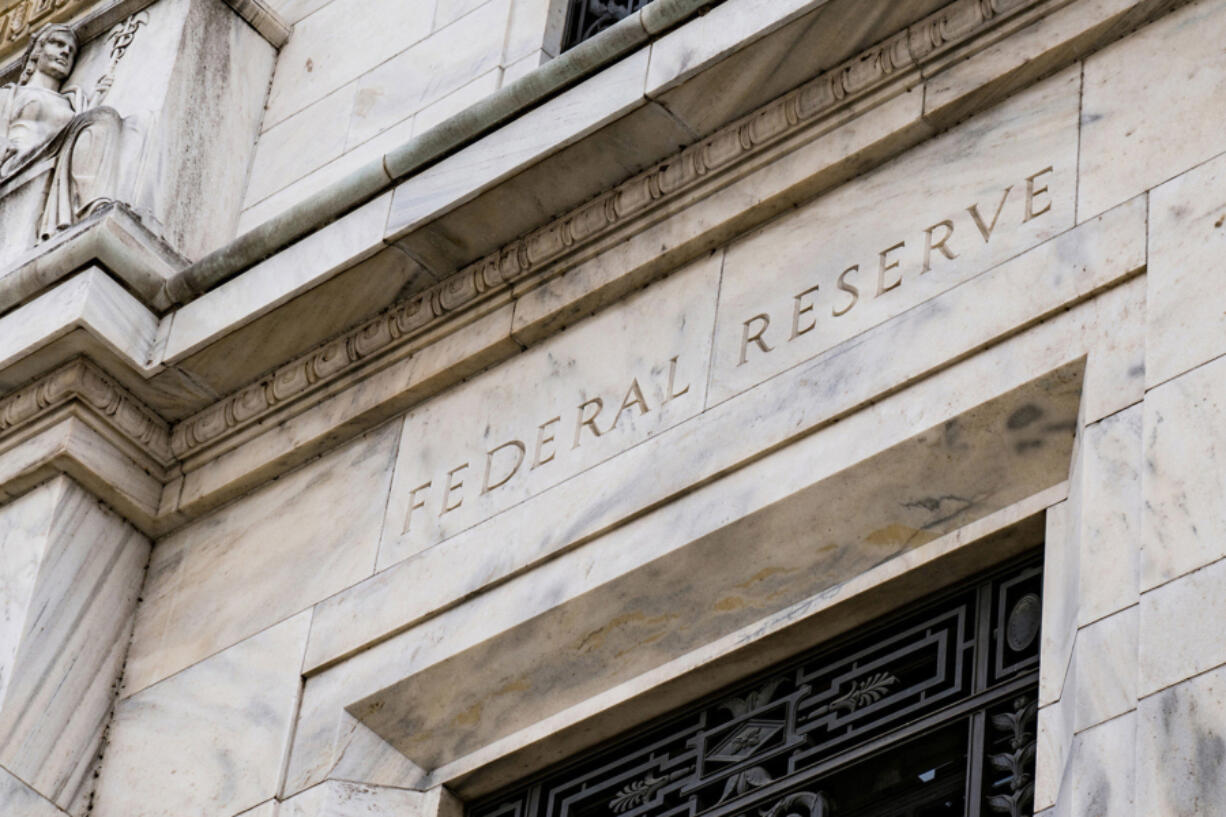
column 70, row 574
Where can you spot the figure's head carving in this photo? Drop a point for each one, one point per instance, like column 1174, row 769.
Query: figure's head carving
column 52, row 51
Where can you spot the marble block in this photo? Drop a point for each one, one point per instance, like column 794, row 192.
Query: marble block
column 304, row 142
column 19, row 800
column 315, row 61
column 682, row 576
column 1151, row 106
column 1061, row 577
column 1179, row 634
column 1106, row 673
column 455, row 54
column 1181, row 749
column 586, row 395
column 833, row 386
column 937, row 216
column 70, row 573
column 209, row 740
column 329, row 743
column 1185, row 318
column 1110, row 519
column 262, row 558
column 343, row 799
column 1184, row 484
column 1053, row 744
column 1103, row 770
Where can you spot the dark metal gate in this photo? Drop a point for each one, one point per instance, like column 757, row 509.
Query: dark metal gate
column 587, row 18
column 930, row 713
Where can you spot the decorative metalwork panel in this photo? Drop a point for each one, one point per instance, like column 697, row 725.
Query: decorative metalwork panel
column 928, row 714
column 587, row 18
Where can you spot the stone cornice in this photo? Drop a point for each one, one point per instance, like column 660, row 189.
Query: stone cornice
column 82, row 382
column 539, row 253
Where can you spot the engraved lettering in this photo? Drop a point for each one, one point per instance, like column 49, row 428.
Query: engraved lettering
column 986, row 230
column 542, row 441
column 415, row 503
column 673, row 394
column 452, row 484
column 1032, row 193
column 850, row 289
column 942, row 245
column 590, row 422
column 634, row 397
column 800, row 309
column 520, row 451
column 756, row 337
column 886, row 266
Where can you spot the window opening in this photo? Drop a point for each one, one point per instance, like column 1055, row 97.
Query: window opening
column 927, row 713
column 587, row 18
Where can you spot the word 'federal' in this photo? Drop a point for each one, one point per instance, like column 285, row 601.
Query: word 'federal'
column 590, row 420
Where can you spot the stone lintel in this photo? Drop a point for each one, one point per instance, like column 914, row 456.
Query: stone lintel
column 610, row 627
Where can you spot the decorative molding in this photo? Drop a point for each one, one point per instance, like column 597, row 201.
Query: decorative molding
column 672, row 179
column 82, row 381
column 20, row 18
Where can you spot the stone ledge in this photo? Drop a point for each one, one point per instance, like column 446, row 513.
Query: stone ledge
column 973, row 547
column 115, row 240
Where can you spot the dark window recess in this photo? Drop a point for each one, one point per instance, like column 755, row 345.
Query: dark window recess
column 926, row 714
column 587, row 18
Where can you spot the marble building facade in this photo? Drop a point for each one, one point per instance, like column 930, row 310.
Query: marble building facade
column 397, row 399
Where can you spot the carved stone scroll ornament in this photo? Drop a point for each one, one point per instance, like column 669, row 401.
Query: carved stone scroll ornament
column 44, row 124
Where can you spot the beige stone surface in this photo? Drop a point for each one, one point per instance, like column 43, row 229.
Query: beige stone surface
column 1185, row 314
column 1110, row 518
column 1181, row 752
column 878, row 590
column 17, row 798
column 1184, row 521
column 309, row 262
column 1149, row 110
column 1053, row 744
column 39, row 335
column 835, row 385
column 70, row 576
column 302, row 143
column 448, row 59
column 955, row 206
column 705, row 76
column 831, row 156
column 209, row 740
column 1178, row 639
column 1106, row 654
column 317, row 62
column 906, row 490
column 262, row 559
column 458, row 100
column 345, row 799
column 1061, row 572
column 1103, row 772
column 608, row 96
column 585, row 396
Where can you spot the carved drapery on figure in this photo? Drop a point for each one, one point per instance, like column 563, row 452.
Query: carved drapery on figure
column 44, row 123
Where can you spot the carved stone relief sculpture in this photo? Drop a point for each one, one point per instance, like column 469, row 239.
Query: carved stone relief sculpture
column 66, row 131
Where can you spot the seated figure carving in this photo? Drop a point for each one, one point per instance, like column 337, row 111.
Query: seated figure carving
column 41, row 122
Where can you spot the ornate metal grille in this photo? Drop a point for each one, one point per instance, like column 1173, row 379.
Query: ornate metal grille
column 927, row 714
column 587, row 18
